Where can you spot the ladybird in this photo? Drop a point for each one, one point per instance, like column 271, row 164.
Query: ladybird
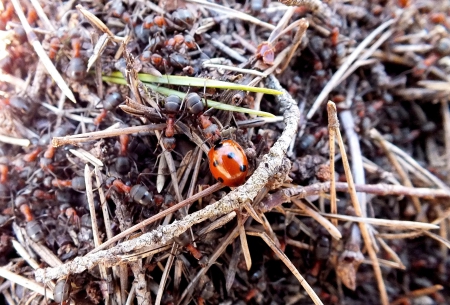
column 228, row 163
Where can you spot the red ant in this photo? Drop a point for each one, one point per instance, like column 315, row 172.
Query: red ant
column 32, row 156
column 7, row 14
column 55, row 44
column 117, row 185
column 185, row 241
column 122, row 162
column 171, row 108
column 110, row 103
column 70, row 213
column 77, row 183
column 32, row 16
column 43, row 195
column 3, row 173
column 21, row 202
column 47, row 159
column 423, row 65
column 196, row 107
column 76, row 69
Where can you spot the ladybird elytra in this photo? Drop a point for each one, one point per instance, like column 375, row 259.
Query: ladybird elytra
column 228, row 163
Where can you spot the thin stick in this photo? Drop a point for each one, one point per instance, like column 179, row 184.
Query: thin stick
column 333, row 124
column 413, row 163
column 33, row 40
column 90, row 199
column 90, row 136
column 234, row 13
column 244, row 244
column 446, row 122
column 160, row 215
column 330, row 227
column 401, row 172
column 165, row 274
column 338, row 74
column 15, row 141
column 363, row 227
column 40, row 12
column 24, row 254
column 312, row 294
column 27, row 283
column 348, row 126
column 232, row 68
column 397, row 224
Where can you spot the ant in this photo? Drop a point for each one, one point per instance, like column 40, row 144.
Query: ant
column 184, row 240
column 47, row 159
column 196, row 107
column 21, row 202
column 110, row 103
column 55, row 45
column 76, row 69
column 123, row 165
column 172, row 106
column 77, row 183
column 70, row 213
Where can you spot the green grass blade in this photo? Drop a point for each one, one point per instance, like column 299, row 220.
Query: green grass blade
column 198, row 82
column 211, row 103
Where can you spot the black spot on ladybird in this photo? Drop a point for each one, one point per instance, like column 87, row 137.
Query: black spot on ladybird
column 220, row 179
column 231, row 155
column 216, row 163
column 243, row 168
column 218, row 146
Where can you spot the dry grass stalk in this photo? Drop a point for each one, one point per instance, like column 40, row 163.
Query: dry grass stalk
column 25, row 282
column 401, row 172
column 32, row 38
column 356, row 205
column 288, row 264
column 334, row 81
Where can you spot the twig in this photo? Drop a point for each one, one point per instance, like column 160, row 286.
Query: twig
column 24, row 254
column 401, row 172
column 15, row 141
column 40, row 12
column 90, row 199
column 27, row 283
column 90, row 136
column 216, row 254
column 348, row 125
column 233, row 13
column 397, row 224
column 160, row 215
column 413, row 163
column 227, row 50
column 438, row 238
column 33, row 40
column 338, row 74
column 358, row 211
column 312, row 294
column 315, row 6
column 232, row 68
column 165, row 274
column 331, row 228
column 446, row 122
column 271, row 165
column 285, row 195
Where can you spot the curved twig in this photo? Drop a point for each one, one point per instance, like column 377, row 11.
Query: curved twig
column 269, row 167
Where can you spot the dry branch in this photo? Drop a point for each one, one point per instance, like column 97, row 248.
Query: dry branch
column 268, row 168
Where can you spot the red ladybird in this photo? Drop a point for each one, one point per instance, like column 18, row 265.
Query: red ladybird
column 228, row 163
